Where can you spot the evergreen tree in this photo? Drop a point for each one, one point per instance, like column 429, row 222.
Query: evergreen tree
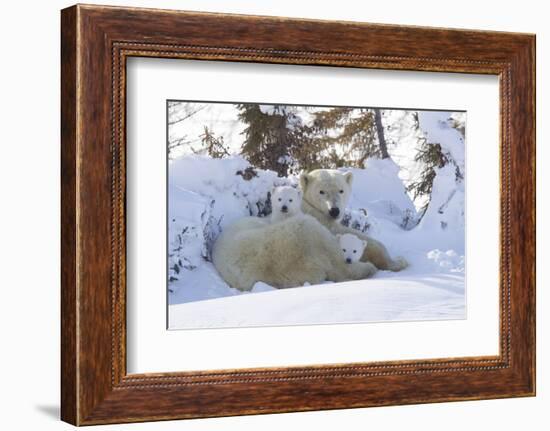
column 269, row 136
column 214, row 146
column 433, row 157
column 308, row 152
column 346, row 136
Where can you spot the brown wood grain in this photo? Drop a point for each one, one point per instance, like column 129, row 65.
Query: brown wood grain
column 96, row 41
column 69, row 330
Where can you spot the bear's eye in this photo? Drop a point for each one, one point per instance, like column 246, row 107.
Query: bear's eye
column 321, row 192
column 341, row 191
column 355, row 251
column 280, row 199
column 344, row 250
column 290, row 200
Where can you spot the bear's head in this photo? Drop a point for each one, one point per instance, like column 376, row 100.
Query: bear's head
column 352, row 247
column 327, row 190
column 286, row 200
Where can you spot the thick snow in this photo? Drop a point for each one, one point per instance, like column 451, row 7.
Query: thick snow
column 217, row 180
column 206, row 194
column 438, row 129
column 445, row 215
column 422, row 297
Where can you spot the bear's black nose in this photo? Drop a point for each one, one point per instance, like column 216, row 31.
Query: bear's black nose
column 284, row 208
column 348, row 260
column 334, row 212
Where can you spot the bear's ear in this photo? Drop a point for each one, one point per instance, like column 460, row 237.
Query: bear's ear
column 364, row 244
column 349, row 177
column 304, row 181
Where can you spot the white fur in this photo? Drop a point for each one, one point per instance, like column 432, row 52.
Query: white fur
column 352, row 247
column 288, row 253
column 325, row 194
column 285, row 202
column 328, row 191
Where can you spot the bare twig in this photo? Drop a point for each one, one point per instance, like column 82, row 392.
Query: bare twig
column 185, row 117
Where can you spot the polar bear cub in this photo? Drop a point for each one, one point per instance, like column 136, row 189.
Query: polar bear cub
column 285, row 202
column 352, row 247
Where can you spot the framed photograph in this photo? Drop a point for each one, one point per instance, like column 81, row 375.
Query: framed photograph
column 265, row 214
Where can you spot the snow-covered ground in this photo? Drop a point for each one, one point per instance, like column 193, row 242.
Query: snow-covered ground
column 206, row 194
column 407, row 297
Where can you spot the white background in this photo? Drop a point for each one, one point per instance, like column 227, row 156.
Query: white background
column 29, row 220
column 152, row 349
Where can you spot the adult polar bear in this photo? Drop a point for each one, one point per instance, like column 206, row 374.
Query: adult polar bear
column 325, row 195
column 284, row 254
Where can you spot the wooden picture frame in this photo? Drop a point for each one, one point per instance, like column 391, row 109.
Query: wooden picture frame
column 95, row 43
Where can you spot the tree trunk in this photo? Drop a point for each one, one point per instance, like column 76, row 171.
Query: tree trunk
column 380, row 132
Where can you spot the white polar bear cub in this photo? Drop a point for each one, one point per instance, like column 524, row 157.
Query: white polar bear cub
column 285, row 202
column 352, row 247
